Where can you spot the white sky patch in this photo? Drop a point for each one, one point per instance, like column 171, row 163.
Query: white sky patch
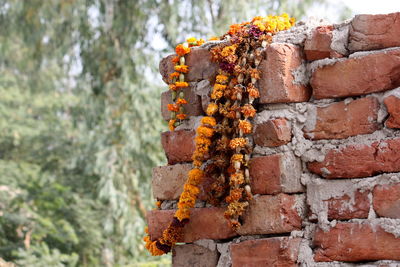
column 372, row 6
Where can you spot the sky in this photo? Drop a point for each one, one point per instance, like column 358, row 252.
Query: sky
column 372, row 6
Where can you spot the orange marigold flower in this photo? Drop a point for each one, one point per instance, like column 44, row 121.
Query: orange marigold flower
column 234, row 195
column 255, row 73
column 237, row 142
column 219, row 87
column 212, row 108
column 173, row 107
column 158, row 204
column 181, row 84
column 192, row 189
column 200, row 140
column 175, row 60
column 197, row 163
column 221, row 79
column 253, row 91
column 174, row 75
column 181, row 101
column 171, row 125
column 182, row 214
column 248, row 111
column 182, row 68
column 228, row 50
column 195, row 176
column 237, row 157
column 213, row 38
column 205, row 131
column 172, row 87
column 245, row 126
column 200, row 41
column 181, row 116
column 182, row 50
column 208, row 121
column 216, row 94
column 234, row 28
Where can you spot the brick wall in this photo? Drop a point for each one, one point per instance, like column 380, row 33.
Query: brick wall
column 326, row 165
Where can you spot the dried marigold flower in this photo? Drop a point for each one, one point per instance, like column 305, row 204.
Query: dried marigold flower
column 216, row 94
column 182, row 68
column 171, row 125
column 172, row 87
column 172, row 235
column 212, row 108
column 208, row 121
column 221, row 79
column 245, row 126
column 173, row 107
column 228, row 50
column 253, row 91
column 182, row 50
column 237, row 142
column 255, row 73
column 234, row 195
column 181, row 116
column 181, row 101
column 237, row 179
column 219, row 87
column 248, row 111
column 181, row 84
column 237, row 157
column 205, row 131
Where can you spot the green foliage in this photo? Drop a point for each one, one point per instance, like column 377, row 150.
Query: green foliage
column 80, row 120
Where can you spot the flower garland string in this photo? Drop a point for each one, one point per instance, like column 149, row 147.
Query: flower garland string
column 223, row 146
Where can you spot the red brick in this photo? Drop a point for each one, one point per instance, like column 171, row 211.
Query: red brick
column 273, row 133
column 272, row 215
column 341, row 120
column 343, row 208
column 178, row 145
column 192, row 108
column 318, row 44
column 276, row 251
column 393, row 107
column 276, row 82
column 193, row 255
column 205, row 223
column 360, row 160
column 274, row 174
column 369, row 32
column 200, row 66
column 386, row 200
column 362, row 75
column 355, row 242
column 168, row 182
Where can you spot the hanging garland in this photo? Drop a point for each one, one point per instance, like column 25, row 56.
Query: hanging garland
column 223, row 148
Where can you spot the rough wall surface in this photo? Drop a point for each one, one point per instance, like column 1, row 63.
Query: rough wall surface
column 326, row 163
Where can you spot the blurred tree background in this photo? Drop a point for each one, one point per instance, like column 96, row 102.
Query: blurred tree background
column 80, row 120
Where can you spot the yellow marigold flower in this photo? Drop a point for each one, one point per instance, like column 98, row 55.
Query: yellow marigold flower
column 191, row 40
column 221, row 79
column 181, row 116
column 237, row 142
column 181, row 84
column 245, row 126
column 182, row 68
column 212, row 108
column 181, row 101
column 228, row 50
column 205, row 131
column 195, row 176
column 219, row 87
column 259, row 25
column 171, row 125
column 182, row 50
column 173, row 107
column 237, row 157
column 216, row 94
column 208, row 121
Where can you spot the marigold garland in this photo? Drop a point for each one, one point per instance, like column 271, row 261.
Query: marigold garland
column 221, row 136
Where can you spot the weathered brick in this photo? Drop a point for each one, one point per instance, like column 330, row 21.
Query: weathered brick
column 276, row 82
column 168, row 182
column 375, row 72
column 274, row 174
column 369, row 32
column 272, row 133
column 276, row 251
column 341, row 120
column 272, row 215
column 393, row 107
column 360, row 160
column 205, row 223
column 192, row 108
column 318, row 44
column 346, row 208
column 200, row 66
column 193, row 255
column 355, row 242
column 178, row 145
column 386, row 200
